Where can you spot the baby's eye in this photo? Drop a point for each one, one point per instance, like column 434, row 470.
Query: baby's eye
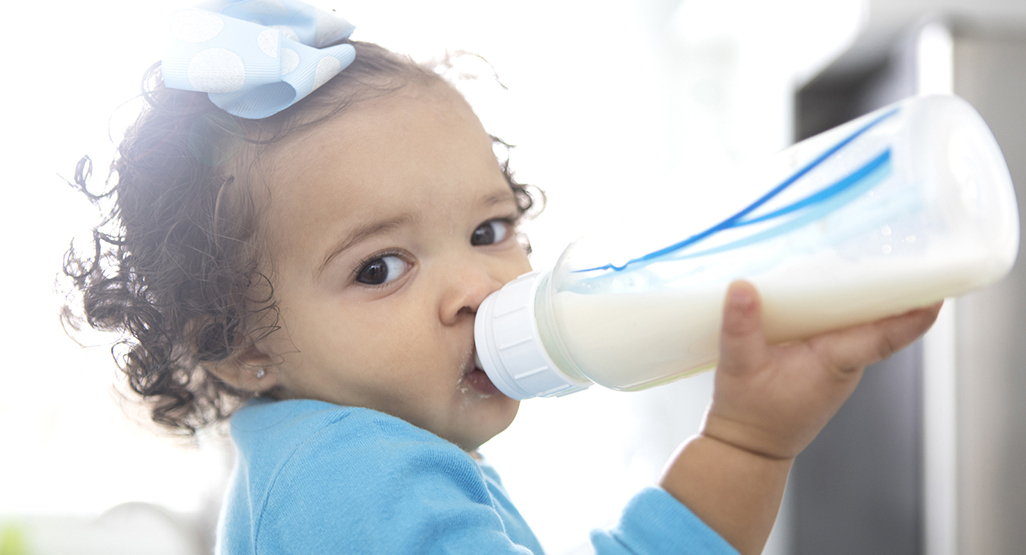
column 490, row 232
column 381, row 270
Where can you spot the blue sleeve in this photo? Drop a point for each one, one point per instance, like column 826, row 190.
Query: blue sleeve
column 391, row 491
column 654, row 522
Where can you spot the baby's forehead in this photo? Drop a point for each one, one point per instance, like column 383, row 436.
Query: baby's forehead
column 417, row 148
column 367, row 117
column 275, row 154
column 414, row 116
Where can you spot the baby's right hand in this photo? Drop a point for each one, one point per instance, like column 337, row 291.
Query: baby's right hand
column 773, row 400
column 769, row 402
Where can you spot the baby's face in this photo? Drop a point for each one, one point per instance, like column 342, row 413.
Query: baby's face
column 387, row 227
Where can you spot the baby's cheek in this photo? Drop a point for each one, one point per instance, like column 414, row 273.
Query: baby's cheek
column 391, row 349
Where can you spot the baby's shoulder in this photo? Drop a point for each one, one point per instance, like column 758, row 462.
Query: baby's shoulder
column 358, row 442
column 355, row 464
column 316, row 473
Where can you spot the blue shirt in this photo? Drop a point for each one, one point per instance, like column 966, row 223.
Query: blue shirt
column 317, row 478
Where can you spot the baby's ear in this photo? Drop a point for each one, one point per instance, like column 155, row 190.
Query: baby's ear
column 248, row 370
column 227, row 350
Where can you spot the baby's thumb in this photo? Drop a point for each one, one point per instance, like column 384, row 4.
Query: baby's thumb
column 742, row 343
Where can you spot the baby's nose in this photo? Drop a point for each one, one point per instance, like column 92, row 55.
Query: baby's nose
column 466, row 289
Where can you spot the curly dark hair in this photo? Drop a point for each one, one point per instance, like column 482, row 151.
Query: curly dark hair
column 174, row 265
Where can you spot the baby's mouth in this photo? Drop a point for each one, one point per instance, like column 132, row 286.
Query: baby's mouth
column 476, row 379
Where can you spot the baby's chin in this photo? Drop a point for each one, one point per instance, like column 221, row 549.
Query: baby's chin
column 487, row 417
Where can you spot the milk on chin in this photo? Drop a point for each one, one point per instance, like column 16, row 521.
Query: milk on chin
column 635, row 340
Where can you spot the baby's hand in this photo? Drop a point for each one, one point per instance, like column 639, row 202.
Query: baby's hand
column 769, row 402
column 773, row 400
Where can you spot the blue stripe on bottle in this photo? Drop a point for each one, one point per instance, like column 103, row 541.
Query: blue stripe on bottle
column 818, row 204
column 841, row 193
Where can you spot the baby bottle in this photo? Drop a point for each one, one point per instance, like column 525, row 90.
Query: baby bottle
column 892, row 211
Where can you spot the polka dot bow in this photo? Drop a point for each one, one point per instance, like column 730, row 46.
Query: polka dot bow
column 255, row 57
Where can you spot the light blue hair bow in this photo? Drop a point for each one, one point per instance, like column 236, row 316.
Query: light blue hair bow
column 255, row 57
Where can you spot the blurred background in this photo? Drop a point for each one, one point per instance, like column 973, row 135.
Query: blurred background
column 615, row 107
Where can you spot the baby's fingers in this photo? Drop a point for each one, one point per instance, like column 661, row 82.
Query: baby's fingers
column 859, row 346
column 742, row 343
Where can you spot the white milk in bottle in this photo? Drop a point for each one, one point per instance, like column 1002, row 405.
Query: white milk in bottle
column 892, row 211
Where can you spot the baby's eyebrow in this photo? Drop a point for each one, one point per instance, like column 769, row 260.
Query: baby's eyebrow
column 362, row 232
column 499, row 198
